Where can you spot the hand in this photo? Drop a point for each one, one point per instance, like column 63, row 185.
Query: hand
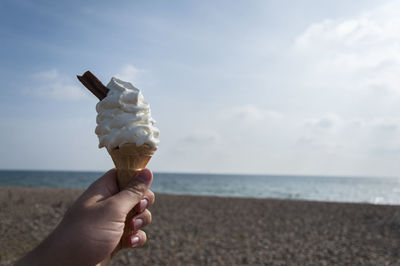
column 91, row 230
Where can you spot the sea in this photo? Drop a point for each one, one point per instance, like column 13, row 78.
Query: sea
column 315, row 188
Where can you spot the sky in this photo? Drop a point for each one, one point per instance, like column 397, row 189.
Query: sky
column 262, row 87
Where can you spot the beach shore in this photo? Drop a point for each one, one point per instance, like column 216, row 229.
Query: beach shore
column 192, row 230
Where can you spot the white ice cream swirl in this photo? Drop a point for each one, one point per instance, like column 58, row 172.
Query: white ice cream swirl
column 124, row 117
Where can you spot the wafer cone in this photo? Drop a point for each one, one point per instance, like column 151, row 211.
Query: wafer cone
column 129, row 159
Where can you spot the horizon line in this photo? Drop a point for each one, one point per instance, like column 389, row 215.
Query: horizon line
column 214, row 173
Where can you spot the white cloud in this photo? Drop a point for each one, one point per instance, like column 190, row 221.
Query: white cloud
column 249, row 113
column 202, row 137
column 52, row 84
column 348, row 135
column 388, row 124
column 129, row 73
column 326, row 122
column 358, row 53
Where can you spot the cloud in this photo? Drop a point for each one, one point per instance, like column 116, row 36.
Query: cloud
column 129, row 73
column 351, row 66
column 249, row 113
column 387, row 124
column 349, row 135
column 325, row 122
column 53, row 85
column 358, row 53
column 203, row 137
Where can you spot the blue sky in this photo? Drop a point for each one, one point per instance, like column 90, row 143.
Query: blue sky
column 280, row 87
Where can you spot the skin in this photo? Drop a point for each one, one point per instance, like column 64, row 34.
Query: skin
column 91, row 230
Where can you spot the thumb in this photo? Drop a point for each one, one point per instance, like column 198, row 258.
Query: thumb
column 129, row 196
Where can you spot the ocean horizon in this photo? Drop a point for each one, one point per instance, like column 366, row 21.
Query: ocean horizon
column 374, row 190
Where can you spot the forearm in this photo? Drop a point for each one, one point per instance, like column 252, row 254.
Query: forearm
column 90, row 232
column 104, row 262
column 56, row 249
column 43, row 254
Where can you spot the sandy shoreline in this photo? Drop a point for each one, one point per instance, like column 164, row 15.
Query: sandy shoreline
column 192, row 230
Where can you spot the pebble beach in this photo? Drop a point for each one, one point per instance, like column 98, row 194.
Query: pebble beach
column 195, row 230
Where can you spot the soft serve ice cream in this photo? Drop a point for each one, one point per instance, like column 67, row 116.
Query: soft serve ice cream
column 124, row 117
column 125, row 128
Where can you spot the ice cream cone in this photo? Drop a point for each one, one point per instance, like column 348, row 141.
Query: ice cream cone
column 129, row 159
column 123, row 116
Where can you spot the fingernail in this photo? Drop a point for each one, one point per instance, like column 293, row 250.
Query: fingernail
column 144, row 176
column 143, row 205
column 134, row 240
column 137, row 224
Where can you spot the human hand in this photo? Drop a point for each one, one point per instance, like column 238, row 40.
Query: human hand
column 91, row 230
